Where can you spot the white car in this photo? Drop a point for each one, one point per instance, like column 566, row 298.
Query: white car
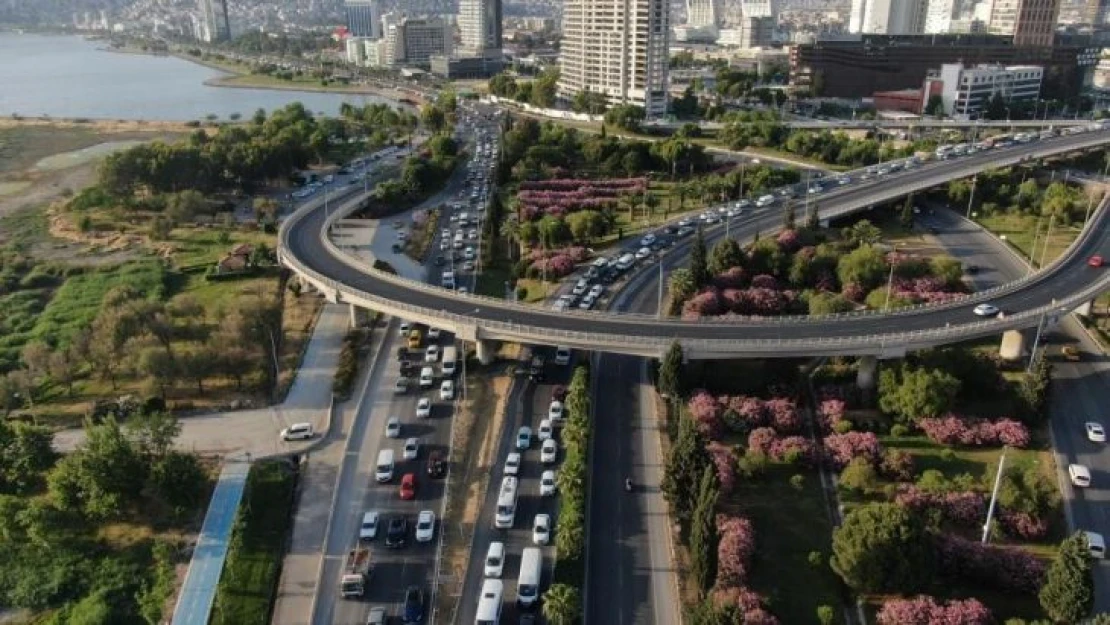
column 425, row 526
column 544, row 432
column 524, row 438
column 549, row 452
column 555, row 411
column 596, row 291
column 470, row 254
column 424, row 408
column 412, row 449
column 495, row 559
column 580, row 288
column 446, row 234
column 433, row 333
column 1079, row 475
column 297, row 432
column 512, row 463
column 393, row 427
column 541, row 529
column 643, row 253
column 547, row 483
column 447, row 390
column 986, row 310
column 431, row 353
column 405, row 328
column 1095, row 433
column 647, row 240
column 369, row 528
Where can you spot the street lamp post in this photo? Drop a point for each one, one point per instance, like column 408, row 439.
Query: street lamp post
column 971, row 196
column 1047, row 238
column 1036, row 343
column 994, row 497
column 889, row 287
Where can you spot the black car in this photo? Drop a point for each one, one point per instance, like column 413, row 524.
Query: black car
column 440, row 261
column 535, row 369
column 414, row 605
column 437, row 466
column 397, row 533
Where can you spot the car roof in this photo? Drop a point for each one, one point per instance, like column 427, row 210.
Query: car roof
column 1079, row 469
column 372, row 515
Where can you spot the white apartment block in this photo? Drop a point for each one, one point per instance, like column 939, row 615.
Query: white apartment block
column 888, row 17
column 480, row 27
column 939, row 15
column 702, row 13
column 967, row 90
column 619, row 48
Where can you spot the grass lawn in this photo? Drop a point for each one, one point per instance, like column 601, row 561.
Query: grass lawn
column 198, row 246
column 245, row 594
column 789, row 525
column 1020, row 231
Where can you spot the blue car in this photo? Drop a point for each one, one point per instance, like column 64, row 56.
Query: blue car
column 414, row 605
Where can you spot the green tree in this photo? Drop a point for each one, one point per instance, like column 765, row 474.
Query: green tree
column 905, row 219
column 562, row 604
column 102, row 477
column 153, row 433
column 1068, row 593
column 433, row 118
column 685, row 464
column 680, row 287
column 26, row 452
column 671, row 370
column 883, row 548
column 865, row 265
column 179, row 480
column 184, row 206
column 996, row 107
column 863, row 232
column 825, row 303
column 725, row 255
column 626, row 116
column 859, row 476
column 543, row 88
column 935, row 106
column 586, row 225
column 703, row 532
column 789, row 216
column 911, row 392
column 699, row 265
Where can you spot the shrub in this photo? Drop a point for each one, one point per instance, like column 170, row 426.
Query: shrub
column 830, row 412
column 797, row 481
column 784, row 416
column 1009, row 570
column 964, row 508
column 725, row 463
column 924, row 610
column 734, row 551
column 899, row 431
column 897, row 465
column 859, row 476
column 794, row 450
column 706, row 412
column 840, row 449
column 955, row 430
column 760, row 441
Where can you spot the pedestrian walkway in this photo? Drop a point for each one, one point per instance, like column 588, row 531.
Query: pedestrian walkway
column 199, row 591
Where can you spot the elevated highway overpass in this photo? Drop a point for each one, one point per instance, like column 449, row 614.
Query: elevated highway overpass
column 306, row 249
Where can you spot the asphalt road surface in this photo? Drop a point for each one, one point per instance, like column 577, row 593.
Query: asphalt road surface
column 528, row 405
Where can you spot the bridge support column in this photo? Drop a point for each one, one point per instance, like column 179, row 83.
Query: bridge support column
column 487, row 351
column 353, row 310
column 1013, row 345
column 1085, row 309
column 865, row 375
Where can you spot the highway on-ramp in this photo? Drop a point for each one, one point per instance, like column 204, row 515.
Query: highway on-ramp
column 303, row 248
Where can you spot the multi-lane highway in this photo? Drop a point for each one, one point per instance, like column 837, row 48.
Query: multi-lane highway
column 303, row 249
column 528, row 404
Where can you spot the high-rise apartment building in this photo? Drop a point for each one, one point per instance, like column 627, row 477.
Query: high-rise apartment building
column 480, row 27
column 1096, row 12
column 889, row 17
column 1031, row 22
column 364, row 18
column 619, row 48
column 939, row 15
column 702, row 13
column 214, row 17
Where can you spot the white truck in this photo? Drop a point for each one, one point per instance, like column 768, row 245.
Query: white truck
column 356, row 573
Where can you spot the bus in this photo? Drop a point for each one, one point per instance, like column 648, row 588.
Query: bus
column 489, row 604
column 506, row 504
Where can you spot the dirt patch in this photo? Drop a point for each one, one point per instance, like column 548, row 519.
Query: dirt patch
column 473, row 448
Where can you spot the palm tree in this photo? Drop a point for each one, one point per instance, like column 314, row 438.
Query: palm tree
column 562, row 604
column 510, row 229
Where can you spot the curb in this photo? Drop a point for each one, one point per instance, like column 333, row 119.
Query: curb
column 372, row 365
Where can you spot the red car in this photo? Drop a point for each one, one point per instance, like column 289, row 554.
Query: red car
column 1095, row 261
column 408, row 486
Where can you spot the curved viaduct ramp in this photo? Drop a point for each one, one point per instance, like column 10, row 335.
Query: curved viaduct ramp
column 1059, row 288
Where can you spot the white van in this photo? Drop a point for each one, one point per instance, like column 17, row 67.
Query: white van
column 383, row 470
column 427, row 377
column 495, row 559
column 562, row 355
column 528, row 582
column 450, row 360
column 489, row 604
column 765, row 200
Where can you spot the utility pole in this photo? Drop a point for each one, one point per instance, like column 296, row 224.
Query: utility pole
column 889, row 287
column 1047, row 239
column 971, row 196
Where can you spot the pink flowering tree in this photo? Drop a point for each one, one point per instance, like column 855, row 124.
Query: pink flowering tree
column 794, row 450
column 784, row 415
column 924, row 610
column 969, row 432
column 725, row 463
column 734, row 551
column 706, row 411
column 760, row 440
column 830, row 412
column 840, row 449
